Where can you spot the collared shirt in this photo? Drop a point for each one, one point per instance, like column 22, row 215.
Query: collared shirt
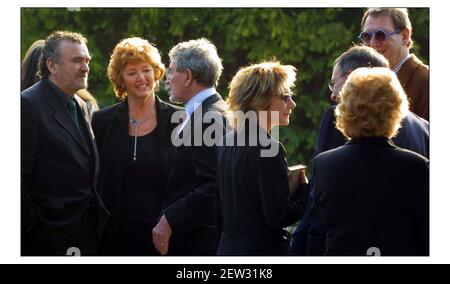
column 397, row 68
column 194, row 103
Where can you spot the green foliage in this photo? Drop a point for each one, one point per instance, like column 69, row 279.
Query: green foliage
column 309, row 39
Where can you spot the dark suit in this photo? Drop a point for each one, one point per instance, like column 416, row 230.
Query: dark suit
column 191, row 184
column 253, row 204
column 370, row 193
column 309, row 236
column 59, row 168
column 111, row 131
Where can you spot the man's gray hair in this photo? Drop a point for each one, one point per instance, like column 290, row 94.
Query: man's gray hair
column 51, row 48
column 200, row 56
column 360, row 56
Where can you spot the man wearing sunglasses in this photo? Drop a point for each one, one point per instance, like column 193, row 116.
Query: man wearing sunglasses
column 388, row 31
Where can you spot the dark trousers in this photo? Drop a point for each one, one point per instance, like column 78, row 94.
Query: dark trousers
column 79, row 237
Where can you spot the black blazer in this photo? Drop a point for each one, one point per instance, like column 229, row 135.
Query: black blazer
column 253, row 204
column 191, row 184
column 59, row 170
column 111, row 131
column 370, row 193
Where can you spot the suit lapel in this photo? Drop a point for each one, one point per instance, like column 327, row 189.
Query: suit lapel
column 164, row 132
column 122, row 117
column 86, row 116
column 62, row 117
column 163, row 117
column 120, row 120
column 91, row 138
column 405, row 73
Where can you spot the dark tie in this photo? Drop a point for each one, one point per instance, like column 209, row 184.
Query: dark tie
column 73, row 111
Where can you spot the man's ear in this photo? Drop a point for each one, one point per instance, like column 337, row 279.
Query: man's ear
column 51, row 66
column 406, row 36
column 189, row 77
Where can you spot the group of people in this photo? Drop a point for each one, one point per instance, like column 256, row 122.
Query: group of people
column 113, row 182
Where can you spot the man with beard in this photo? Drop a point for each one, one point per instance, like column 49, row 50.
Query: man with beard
column 61, row 209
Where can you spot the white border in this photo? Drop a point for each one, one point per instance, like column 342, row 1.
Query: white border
column 10, row 147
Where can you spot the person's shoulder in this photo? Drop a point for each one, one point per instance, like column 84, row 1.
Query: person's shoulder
column 33, row 92
column 409, row 154
column 416, row 122
column 337, row 154
column 421, row 67
column 330, row 152
column 165, row 106
column 270, row 148
column 328, row 114
column 221, row 105
column 215, row 103
column 108, row 112
column 331, row 109
column 411, row 160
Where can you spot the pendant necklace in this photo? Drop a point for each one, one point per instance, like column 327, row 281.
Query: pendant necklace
column 136, row 123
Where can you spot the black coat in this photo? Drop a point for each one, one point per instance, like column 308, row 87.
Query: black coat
column 253, row 204
column 59, row 169
column 370, row 193
column 110, row 126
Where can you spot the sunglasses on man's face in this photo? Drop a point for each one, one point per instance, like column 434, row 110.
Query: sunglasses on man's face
column 379, row 35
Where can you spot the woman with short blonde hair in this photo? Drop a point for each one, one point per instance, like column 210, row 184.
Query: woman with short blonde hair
column 253, row 87
column 373, row 103
column 253, row 200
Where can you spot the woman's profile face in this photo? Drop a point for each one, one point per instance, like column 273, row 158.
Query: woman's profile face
column 280, row 109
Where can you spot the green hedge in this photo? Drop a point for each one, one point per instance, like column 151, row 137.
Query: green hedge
column 309, row 39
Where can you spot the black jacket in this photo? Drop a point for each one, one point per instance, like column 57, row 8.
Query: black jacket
column 370, row 193
column 191, row 184
column 59, row 169
column 110, row 126
column 253, row 203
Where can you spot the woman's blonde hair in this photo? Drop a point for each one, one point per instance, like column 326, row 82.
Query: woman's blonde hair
column 88, row 98
column 254, row 86
column 372, row 103
column 128, row 50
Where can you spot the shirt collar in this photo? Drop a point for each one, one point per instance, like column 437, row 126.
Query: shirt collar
column 197, row 100
column 397, row 68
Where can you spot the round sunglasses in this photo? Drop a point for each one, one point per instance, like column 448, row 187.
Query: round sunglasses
column 379, row 35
